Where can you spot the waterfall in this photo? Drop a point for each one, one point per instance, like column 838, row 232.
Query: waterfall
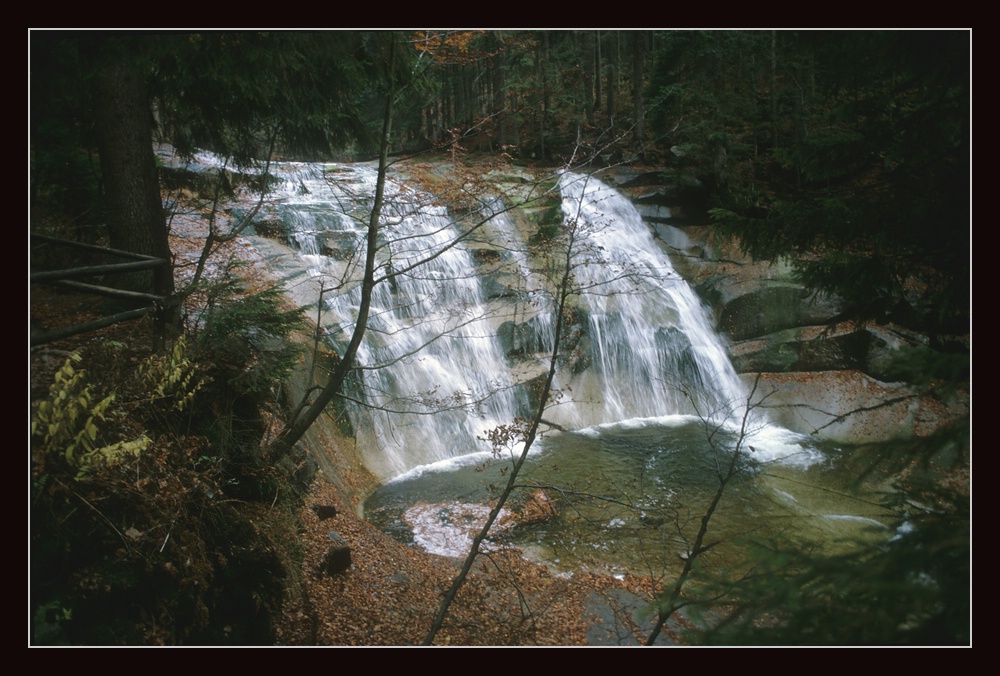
column 652, row 347
column 431, row 374
column 434, row 373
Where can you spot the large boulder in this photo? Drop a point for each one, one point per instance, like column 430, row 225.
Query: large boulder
column 757, row 309
column 851, row 407
column 885, row 352
column 810, row 348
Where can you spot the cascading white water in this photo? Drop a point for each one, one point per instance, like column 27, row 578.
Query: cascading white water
column 433, row 376
column 431, row 372
column 653, row 349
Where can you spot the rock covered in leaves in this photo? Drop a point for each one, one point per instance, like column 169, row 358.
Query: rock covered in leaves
column 338, row 556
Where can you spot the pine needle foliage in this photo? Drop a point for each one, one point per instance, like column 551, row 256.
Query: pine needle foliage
column 913, row 590
column 847, row 152
column 244, row 334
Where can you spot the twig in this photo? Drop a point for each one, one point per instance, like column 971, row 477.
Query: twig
column 673, row 603
column 99, row 513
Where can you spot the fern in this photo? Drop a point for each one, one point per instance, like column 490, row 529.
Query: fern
column 114, row 454
column 67, row 423
column 172, row 378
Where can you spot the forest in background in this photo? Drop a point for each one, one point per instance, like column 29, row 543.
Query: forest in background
column 847, row 148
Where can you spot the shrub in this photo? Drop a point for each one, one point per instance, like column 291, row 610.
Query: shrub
column 244, row 335
column 66, row 424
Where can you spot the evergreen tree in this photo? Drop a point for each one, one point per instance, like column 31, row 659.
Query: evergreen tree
column 233, row 93
column 847, row 151
column 136, row 222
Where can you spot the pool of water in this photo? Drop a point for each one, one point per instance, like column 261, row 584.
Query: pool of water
column 628, row 498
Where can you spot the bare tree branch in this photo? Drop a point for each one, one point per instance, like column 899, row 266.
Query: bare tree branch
column 673, row 603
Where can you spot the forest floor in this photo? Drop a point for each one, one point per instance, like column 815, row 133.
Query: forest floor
column 390, row 594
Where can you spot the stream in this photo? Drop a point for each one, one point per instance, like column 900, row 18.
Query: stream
column 648, row 408
column 627, row 499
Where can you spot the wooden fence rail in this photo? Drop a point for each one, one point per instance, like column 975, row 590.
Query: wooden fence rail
column 64, row 279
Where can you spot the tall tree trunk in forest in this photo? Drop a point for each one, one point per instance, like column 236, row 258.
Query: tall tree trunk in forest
column 613, row 77
column 542, row 94
column 123, row 124
column 500, row 92
column 457, row 96
column 598, row 66
column 136, row 221
column 774, row 89
column 469, row 96
column 546, row 95
column 638, row 104
column 451, row 105
column 587, row 58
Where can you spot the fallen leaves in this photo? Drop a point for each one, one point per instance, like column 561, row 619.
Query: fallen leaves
column 390, row 594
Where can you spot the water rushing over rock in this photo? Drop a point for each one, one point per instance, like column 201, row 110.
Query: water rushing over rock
column 461, row 327
column 653, row 349
column 430, row 368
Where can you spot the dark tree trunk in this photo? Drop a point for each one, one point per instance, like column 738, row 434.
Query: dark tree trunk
column 587, row 62
column 136, row 221
column 638, row 104
column 500, row 93
column 613, row 77
column 545, row 90
column 774, row 89
column 536, row 118
column 598, row 68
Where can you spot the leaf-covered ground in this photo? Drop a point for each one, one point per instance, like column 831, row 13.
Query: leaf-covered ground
column 391, row 592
